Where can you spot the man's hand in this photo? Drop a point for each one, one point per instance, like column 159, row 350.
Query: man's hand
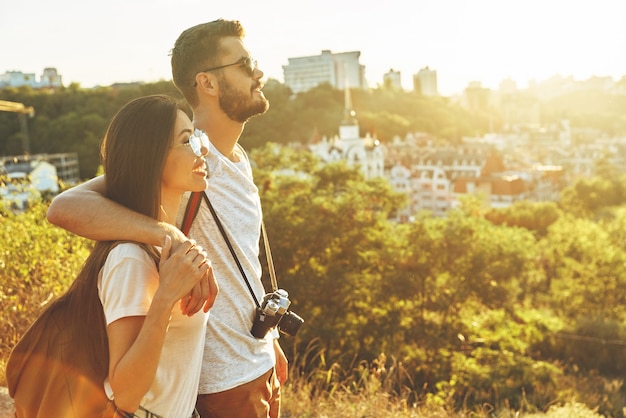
column 202, row 296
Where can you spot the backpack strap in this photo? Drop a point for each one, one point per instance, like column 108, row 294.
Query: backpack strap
column 193, row 204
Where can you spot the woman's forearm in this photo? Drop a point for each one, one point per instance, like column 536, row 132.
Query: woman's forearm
column 132, row 376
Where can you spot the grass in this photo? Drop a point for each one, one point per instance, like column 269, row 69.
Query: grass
column 320, row 390
column 325, row 391
column 296, row 403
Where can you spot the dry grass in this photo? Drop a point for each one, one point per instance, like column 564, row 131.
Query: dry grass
column 297, row 404
column 320, row 390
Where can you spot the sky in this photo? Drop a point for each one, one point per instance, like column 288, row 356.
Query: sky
column 104, row 42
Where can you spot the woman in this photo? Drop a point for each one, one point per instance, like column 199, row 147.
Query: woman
column 148, row 356
column 151, row 157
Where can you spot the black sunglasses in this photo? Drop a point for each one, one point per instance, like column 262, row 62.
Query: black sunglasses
column 249, row 64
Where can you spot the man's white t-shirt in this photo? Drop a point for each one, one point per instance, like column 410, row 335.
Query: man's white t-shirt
column 126, row 286
column 232, row 356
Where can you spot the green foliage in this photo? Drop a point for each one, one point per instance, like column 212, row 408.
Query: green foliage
column 594, row 344
column 37, row 262
column 73, row 119
column 388, row 113
column 472, row 308
column 590, row 109
column 496, row 360
column 303, row 213
column 585, row 269
column 588, row 197
column 477, row 314
column 70, row 119
column 536, row 217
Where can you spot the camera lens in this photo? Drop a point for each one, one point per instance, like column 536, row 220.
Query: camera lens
column 271, row 307
column 290, row 323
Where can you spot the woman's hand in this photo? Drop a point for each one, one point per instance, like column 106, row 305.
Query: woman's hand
column 182, row 269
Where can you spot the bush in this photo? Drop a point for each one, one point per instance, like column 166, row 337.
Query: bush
column 38, row 261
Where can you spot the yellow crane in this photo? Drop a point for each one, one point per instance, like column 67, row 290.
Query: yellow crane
column 23, row 111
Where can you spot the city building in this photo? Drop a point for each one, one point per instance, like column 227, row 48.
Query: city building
column 495, row 191
column 476, row 97
column 65, row 164
column 392, row 79
column 363, row 152
column 425, row 82
column 25, row 180
column 50, row 78
column 340, row 70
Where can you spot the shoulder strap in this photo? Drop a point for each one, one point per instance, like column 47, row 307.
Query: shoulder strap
column 230, row 247
column 191, row 211
column 193, row 204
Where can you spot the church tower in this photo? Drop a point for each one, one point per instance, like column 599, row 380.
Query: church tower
column 349, row 128
column 365, row 153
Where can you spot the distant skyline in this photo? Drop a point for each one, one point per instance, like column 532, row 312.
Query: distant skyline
column 101, row 43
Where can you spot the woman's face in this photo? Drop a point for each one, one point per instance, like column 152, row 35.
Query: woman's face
column 184, row 170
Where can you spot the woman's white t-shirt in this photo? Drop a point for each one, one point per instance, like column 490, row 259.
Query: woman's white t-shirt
column 126, row 286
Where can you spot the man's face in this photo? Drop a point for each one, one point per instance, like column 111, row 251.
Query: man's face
column 240, row 104
column 240, row 90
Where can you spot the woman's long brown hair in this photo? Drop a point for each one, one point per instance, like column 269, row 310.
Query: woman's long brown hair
column 133, row 151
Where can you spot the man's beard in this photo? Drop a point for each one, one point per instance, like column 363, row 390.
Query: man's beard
column 237, row 105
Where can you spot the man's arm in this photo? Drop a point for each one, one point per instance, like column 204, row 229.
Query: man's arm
column 84, row 211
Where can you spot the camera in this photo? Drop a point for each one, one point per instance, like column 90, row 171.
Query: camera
column 273, row 312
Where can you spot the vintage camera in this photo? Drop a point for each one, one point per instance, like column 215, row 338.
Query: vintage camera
column 273, row 312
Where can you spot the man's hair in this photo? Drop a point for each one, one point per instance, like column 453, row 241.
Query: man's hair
column 199, row 48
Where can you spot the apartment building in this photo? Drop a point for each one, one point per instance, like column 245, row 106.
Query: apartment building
column 50, row 78
column 340, row 70
column 425, row 82
column 393, row 79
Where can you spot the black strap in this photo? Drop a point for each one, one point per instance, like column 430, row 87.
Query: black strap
column 230, row 247
column 190, row 213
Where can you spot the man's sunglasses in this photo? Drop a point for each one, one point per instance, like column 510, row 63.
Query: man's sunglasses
column 249, row 64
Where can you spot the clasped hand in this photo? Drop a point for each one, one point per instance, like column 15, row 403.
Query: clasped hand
column 188, row 276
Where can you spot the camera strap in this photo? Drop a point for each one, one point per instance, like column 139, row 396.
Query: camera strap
column 190, row 213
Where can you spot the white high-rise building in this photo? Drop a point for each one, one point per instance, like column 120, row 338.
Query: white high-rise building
column 50, row 78
column 393, row 79
column 425, row 82
column 339, row 70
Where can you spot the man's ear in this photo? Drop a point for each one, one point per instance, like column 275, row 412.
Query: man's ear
column 207, row 82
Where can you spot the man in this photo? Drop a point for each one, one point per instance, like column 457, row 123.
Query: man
column 241, row 374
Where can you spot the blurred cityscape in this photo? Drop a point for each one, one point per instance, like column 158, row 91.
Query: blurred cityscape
column 526, row 160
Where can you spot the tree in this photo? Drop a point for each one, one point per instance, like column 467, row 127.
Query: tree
column 333, row 248
column 534, row 216
column 587, row 197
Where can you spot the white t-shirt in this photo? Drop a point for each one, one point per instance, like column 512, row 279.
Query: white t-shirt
column 126, row 285
column 232, row 356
